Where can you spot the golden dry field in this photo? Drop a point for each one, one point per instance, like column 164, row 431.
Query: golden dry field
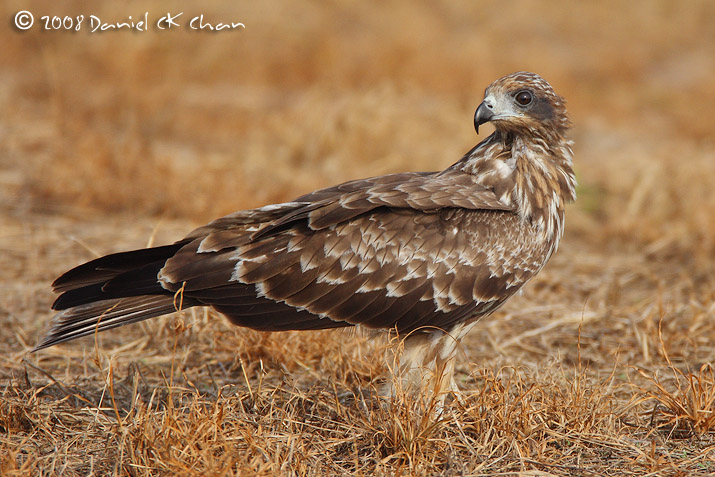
column 115, row 140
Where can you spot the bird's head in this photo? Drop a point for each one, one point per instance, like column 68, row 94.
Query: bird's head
column 522, row 102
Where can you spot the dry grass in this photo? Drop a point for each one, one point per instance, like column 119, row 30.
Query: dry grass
column 604, row 366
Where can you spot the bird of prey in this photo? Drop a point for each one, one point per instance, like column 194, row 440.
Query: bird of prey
column 422, row 255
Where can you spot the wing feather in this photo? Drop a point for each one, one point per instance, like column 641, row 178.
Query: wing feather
column 399, row 251
column 404, row 269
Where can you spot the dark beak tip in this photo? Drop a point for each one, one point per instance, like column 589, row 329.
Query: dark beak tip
column 482, row 115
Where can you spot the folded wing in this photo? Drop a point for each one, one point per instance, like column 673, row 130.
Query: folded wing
column 400, row 251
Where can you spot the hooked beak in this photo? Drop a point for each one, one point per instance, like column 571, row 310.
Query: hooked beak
column 484, row 114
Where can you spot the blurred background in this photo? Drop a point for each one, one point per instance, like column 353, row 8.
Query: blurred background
column 115, row 139
column 122, row 139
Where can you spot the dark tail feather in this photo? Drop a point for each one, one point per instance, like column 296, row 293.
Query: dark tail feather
column 111, row 291
column 142, row 281
column 105, row 268
column 103, row 315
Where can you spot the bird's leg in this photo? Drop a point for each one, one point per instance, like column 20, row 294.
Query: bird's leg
column 424, row 365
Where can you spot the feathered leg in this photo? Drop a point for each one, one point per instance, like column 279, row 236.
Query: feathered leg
column 424, row 365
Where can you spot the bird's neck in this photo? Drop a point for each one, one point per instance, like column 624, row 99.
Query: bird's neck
column 532, row 173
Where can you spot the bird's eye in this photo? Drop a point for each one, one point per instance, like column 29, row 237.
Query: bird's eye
column 524, row 98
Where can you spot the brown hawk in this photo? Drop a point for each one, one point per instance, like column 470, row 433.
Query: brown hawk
column 420, row 254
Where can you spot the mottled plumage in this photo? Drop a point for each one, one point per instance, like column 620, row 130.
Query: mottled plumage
column 422, row 254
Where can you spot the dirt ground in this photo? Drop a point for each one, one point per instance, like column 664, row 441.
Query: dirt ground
column 119, row 139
